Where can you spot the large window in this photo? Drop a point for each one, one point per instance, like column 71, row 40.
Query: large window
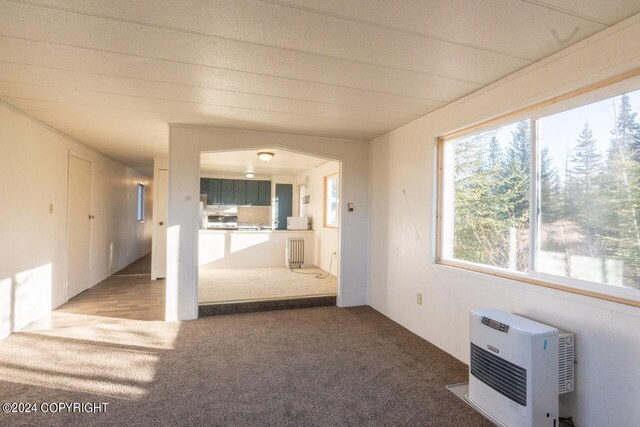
column 331, row 201
column 553, row 196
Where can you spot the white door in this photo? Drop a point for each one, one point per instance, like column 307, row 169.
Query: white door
column 79, row 227
column 161, row 223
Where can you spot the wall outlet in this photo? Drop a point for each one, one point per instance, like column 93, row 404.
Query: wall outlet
column 419, row 298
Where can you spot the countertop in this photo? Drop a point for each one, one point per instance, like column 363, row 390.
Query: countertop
column 222, row 231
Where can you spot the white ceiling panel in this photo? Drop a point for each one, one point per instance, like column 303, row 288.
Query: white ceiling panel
column 96, row 65
column 283, row 163
column 281, row 34
column 114, row 74
column 607, row 12
column 503, row 26
column 35, row 83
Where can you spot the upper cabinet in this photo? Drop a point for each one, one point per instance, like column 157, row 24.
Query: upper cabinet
column 253, row 193
column 239, row 193
column 264, row 193
column 236, row 192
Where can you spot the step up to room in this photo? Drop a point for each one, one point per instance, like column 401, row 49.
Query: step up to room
column 237, row 307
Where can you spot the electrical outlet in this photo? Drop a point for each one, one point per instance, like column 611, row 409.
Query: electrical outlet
column 419, row 298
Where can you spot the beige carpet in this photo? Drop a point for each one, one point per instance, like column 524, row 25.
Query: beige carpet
column 248, row 284
column 307, row 367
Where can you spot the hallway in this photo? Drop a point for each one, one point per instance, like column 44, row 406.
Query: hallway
column 128, row 294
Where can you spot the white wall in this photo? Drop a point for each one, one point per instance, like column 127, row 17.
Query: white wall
column 33, row 173
column 402, row 235
column 248, row 249
column 326, row 238
column 185, row 145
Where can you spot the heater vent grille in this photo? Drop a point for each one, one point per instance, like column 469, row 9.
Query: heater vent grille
column 566, row 358
column 506, row 378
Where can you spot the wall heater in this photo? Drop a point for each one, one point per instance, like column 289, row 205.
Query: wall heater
column 518, row 367
column 294, row 257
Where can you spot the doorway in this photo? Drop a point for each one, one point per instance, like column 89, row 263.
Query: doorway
column 261, row 241
column 161, row 205
column 79, row 225
column 283, row 205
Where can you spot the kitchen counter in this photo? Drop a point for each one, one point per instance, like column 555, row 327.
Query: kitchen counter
column 223, row 231
column 249, row 248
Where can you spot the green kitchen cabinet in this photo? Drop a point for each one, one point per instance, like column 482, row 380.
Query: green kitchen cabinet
column 214, row 191
column 264, row 193
column 226, row 192
column 253, row 193
column 239, row 192
column 204, row 187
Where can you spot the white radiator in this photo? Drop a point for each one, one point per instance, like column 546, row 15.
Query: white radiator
column 295, row 252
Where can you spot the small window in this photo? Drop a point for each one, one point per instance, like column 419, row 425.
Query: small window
column 331, row 200
column 302, row 190
column 140, row 204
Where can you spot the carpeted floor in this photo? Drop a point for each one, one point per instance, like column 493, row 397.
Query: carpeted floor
column 307, row 367
column 249, row 284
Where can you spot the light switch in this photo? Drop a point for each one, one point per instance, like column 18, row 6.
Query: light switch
column 350, row 207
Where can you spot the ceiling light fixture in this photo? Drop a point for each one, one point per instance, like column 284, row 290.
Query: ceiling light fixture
column 250, row 174
column 265, row 156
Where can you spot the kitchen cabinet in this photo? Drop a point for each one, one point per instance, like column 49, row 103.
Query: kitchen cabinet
column 264, row 193
column 253, row 193
column 214, row 191
column 226, row 192
column 237, row 192
column 204, row 188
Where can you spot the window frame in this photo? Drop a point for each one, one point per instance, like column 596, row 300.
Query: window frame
column 326, row 205
column 302, row 192
column 140, row 202
column 612, row 87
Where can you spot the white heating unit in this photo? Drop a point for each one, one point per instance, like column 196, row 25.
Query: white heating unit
column 295, row 252
column 518, row 368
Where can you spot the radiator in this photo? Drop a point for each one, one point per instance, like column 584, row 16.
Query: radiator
column 295, row 252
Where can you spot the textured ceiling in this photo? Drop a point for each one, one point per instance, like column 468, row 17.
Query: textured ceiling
column 114, row 73
column 284, row 163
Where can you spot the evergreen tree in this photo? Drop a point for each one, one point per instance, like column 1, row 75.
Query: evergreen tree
column 621, row 233
column 551, row 197
column 516, row 174
column 584, row 187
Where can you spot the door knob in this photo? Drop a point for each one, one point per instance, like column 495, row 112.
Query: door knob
column 91, row 217
column 161, row 223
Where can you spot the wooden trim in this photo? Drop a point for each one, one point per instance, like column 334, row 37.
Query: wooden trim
column 542, row 283
column 439, row 189
column 538, row 105
column 324, row 204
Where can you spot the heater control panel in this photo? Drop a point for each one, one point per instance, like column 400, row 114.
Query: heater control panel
column 495, row 325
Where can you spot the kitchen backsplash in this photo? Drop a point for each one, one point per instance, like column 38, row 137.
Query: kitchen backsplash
column 258, row 215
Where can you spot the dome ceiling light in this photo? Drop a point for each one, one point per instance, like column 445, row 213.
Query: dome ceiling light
column 265, row 156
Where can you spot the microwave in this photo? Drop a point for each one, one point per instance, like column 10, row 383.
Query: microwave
column 297, row 223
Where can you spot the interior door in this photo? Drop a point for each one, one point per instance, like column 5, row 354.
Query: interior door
column 161, row 223
column 284, row 204
column 79, row 226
